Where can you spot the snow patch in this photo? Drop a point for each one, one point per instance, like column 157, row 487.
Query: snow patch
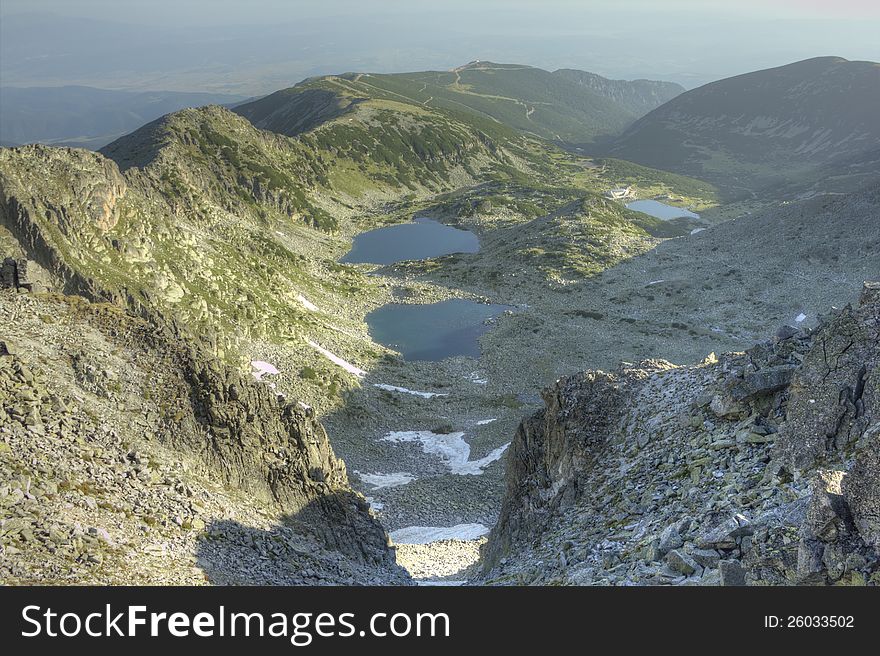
column 335, row 359
column 378, row 481
column 477, row 466
column 262, row 368
column 800, row 318
column 655, row 282
column 439, row 583
column 696, row 230
column 449, row 447
column 375, row 505
column 306, row 303
column 483, row 422
column 394, row 388
column 475, row 378
column 426, row 534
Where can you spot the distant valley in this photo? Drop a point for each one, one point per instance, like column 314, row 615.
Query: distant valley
column 86, row 117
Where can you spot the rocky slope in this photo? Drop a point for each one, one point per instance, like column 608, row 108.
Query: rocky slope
column 763, row 128
column 130, row 455
column 758, row 467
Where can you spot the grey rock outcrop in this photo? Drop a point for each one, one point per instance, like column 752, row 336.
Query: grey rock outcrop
column 554, row 450
column 131, row 423
column 835, row 393
column 279, row 451
column 760, row 467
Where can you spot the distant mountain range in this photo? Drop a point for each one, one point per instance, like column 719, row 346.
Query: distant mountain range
column 86, row 116
column 565, row 106
column 764, row 128
column 802, row 128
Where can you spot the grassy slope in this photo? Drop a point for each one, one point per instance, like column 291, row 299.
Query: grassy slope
column 557, row 106
column 224, row 226
column 763, row 129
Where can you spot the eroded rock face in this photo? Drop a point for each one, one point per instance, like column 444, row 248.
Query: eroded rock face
column 835, row 393
column 89, row 200
column 128, row 454
column 78, row 202
column 755, row 468
column 861, row 490
column 24, row 274
column 280, row 451
column 553, row 451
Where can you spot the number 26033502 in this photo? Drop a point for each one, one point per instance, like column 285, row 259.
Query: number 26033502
column 810, row 621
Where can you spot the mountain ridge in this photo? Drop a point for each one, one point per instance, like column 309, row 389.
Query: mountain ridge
column 585, row 105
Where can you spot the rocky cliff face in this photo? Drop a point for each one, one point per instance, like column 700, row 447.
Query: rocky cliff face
column 122, row 443
column 638, row 97
column 71, row 223
column 758, row 467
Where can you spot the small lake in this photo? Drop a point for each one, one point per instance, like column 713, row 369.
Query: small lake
column 421, row 239
column 661, row 210
column 434, row 331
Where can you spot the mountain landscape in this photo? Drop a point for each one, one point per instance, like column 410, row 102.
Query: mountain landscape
column 194, row 368
column 757, row 130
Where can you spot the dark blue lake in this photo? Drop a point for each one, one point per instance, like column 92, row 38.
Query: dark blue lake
column 434, row 331
column 660, row 210
column 421, row 239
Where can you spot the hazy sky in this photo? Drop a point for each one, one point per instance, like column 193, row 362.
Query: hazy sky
column 228, row 11
column 256, row 46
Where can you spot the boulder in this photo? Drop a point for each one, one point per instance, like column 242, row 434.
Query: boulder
column 725, row 535
column 732, row 572
column 669, row 539
column 706, row 557
column 681, row 562
column 761, row 382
